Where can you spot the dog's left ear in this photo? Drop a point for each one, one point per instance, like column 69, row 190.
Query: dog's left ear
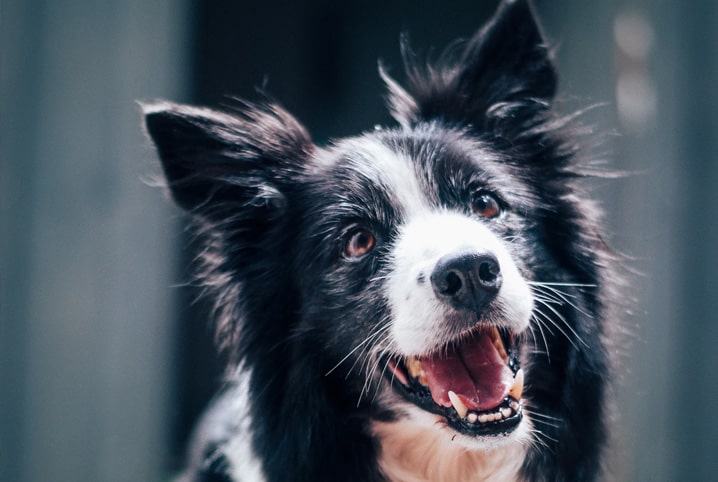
column 504, row 69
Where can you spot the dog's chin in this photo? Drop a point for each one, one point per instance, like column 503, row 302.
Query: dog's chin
column 473, row 386
column 412, row 418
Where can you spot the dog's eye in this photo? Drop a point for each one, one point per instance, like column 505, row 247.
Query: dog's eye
column 359, row 242
column 485, row 205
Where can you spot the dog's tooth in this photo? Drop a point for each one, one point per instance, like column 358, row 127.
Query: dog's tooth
column 422, row 378
column 518, row 387
column 483, row 418
column 458, row 404
column 472, row 417
column 416, row 370
column 506, row 412
column 409, row 362
column 514, row 405
column 499, row 344
column 495, row 335
column 414, row 367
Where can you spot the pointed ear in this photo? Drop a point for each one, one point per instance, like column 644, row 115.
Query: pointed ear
column 508, row 59
column 217, row 160
column 504, row 69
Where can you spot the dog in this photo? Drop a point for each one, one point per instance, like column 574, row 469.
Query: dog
column 426, row 301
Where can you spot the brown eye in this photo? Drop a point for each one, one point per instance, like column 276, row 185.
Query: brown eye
column 486, row 205
column 359, row 243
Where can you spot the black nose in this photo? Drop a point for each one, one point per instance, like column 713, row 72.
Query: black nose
column 467, row 281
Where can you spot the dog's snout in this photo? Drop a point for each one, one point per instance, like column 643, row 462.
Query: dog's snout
column 467, row 281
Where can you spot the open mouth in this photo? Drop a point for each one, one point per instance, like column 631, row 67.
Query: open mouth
column 475, row 383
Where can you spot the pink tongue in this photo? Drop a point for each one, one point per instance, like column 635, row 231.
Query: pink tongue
column 474, row 370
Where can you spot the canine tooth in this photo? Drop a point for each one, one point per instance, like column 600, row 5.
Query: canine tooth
column 472, row 417
column 514, row 405
column 506, row 412
column 499, row 344
column 414, row 367
column 518, row 387
column 422, row 378
column 458, row 404
column 483, row 418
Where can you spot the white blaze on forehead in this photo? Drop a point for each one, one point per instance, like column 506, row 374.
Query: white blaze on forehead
column 392, row 171
column 418, row 316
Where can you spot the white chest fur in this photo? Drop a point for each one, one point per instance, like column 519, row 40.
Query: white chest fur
column 417, row 453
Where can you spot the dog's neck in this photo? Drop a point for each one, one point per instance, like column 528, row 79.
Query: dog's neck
column 416, row 453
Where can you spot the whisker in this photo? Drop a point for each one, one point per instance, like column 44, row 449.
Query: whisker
column 566, row 324
column 547, row 319
column 366, row 340
column 364, row 354
column 381, row 374
column 575, row 285
column 547, row 423
column 547, row 297
column 532, row 332
column 542, row 437
column 535, row 413
column 539, row 324
column 545, row 420
column 565, row 297
column 371, row 363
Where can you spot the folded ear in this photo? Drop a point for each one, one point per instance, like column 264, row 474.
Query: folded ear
column 504, row 69
column 214, row 161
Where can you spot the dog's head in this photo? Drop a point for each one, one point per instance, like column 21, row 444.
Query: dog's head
column 398, row 269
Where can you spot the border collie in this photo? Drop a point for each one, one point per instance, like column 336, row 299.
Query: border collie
column 426, row 301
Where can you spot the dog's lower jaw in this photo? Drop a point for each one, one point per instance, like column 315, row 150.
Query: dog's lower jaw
column 416, row 452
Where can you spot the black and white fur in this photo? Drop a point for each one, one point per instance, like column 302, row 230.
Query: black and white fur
column 319, row 261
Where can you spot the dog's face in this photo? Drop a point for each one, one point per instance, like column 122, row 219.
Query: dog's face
column 404, row 274
column 413, row 267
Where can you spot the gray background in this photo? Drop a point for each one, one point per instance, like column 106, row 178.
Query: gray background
column 102, row 361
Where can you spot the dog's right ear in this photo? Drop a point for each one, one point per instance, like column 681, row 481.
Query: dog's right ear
column 216, row 161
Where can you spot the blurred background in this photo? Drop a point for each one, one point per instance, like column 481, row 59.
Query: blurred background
column 104, row 360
